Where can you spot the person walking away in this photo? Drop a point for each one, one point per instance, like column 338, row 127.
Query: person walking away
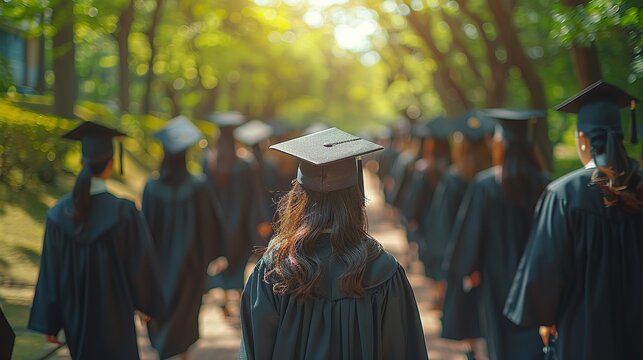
column 471, row 154
column 98, row 263
column 492, row 227
column 582, row 271
column 325, row 289
column 187, row 229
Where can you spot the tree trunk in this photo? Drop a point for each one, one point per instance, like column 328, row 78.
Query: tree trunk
column 122, row 39
column 149, row 76
column 64, row 59
column 451, row 94
column 208, row 103
column 587, row 68
column 516, row 56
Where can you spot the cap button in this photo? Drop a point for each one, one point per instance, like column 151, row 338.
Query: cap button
column 328, row 144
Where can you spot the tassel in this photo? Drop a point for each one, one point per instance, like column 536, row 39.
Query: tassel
column 360, row 178
column 633, row 129
column 120, row 155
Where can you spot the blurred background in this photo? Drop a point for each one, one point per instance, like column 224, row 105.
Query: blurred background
column 356, row 64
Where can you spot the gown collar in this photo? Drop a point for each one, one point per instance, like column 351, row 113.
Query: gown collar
column 98, row 186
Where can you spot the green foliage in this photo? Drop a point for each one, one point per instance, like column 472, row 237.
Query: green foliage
column 603, row 22
column 6, row 77
column 29, row 145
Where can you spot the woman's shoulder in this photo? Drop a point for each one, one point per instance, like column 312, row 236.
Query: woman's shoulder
column 381, row 269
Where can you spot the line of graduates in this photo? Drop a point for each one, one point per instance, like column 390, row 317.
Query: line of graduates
column 103, row 259
column 535, row 268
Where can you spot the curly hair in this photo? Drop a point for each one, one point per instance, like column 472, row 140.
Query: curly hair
column 294, row 266
column 618, row 176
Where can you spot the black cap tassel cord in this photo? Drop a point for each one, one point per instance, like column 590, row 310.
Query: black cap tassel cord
column 120, row 156
column 633, row 133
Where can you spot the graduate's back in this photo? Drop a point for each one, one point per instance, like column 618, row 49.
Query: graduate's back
column 382, row 323
column 582, row 270
column 93, row 277
column 325, row 289
column 98, row 264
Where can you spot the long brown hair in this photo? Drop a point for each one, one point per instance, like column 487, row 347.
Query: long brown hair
column 523, row 176
column 81, row 193
column 471, row 156
column 439, row 155
column 618, row 178
column 304, row 215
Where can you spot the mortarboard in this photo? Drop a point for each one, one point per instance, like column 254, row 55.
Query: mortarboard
column 598, row 105
column 474, row 125
column 96, row 142
column 253, row 132
column 439, row 128
column 226, row 119
column 178, row 135
column 516, row 125
column 328, row 159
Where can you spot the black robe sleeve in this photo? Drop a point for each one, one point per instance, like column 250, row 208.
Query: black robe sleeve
column 545, row 269
column 259, row 317
column 467, row 241
column 142, row 266
column 46, row 309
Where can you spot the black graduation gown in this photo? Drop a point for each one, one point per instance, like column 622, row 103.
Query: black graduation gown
column 91, row 282
column 583, row 271
column 490, row 236
column 186, row 227
column 417, row 199
column 241, row 206
column 400, row 174
column 384, row 324
column 437, row 223
column 385, row 159
column 7, row 337
column 460, row 319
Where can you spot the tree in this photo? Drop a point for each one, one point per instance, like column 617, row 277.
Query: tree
column 64, row 59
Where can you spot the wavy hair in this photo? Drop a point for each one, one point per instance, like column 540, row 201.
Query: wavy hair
column 618, row 176
column 304, row 215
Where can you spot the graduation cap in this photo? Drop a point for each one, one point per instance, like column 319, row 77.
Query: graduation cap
column 178, row 135
column 474, row 125
column 598, row 105
column 253, row 132
column 96, row 142
column 439, row 128
column 328, row 159
column 226, row 119
column 516, row 125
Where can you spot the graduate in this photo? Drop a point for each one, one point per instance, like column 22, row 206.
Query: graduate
column 98, row 263
column 431, row 161
column 233, row 176
column 581, row 271
column 187, row 228
column 325, row 289
column 255, row 135
column 492, row 227
column 471, row 154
